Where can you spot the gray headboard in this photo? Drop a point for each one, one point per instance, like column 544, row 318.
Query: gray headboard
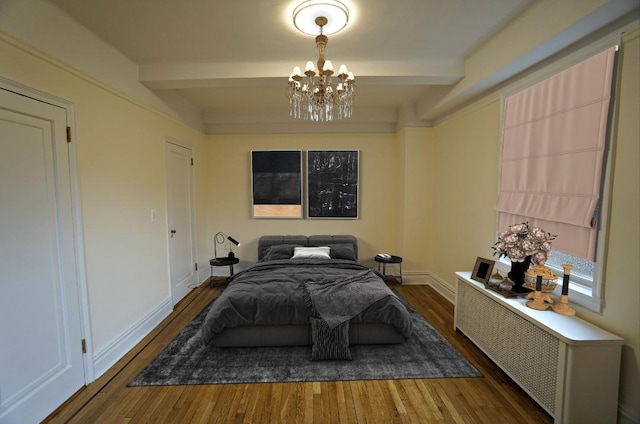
column 318, row 240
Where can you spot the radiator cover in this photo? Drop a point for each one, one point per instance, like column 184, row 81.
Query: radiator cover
column 528, row 354
column 558, row 360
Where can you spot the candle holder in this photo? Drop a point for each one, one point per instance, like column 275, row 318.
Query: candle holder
column 538, row 299
column 563, row 307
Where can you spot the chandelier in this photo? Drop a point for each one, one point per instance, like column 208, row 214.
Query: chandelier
column 317, row 96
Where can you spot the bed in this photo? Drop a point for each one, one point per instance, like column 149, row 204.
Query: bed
column 278, row 300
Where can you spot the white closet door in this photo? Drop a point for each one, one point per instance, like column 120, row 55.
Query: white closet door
column 41, row 362
column 180, row 217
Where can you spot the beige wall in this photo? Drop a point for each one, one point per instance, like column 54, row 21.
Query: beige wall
column 392, row 216
column 416, row 167
column 622, row 273
column 228, row 196
column 121, row 164
column 466, row 148
column 464, row 189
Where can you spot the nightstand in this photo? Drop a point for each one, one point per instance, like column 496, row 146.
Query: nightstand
column 224, row 261
column 390, row 260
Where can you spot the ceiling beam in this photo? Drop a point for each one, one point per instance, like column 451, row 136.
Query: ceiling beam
column 203, row 75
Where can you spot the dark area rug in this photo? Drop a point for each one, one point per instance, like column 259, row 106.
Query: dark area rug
column 186, row 360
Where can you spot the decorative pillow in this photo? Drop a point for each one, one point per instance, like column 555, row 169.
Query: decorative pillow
column 320, row 252
column 278, row 251
column 342, row 251
column 329, row 343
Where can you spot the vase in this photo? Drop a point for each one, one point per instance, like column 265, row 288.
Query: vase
column 517, row 274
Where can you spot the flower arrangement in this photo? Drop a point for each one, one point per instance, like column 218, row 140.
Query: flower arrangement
column 520, row 241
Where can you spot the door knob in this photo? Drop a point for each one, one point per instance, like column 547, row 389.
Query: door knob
column 173, row 232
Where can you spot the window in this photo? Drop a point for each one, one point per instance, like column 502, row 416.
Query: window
column 582, row 268
column 552, row 200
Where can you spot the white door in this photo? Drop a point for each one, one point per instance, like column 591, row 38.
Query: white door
column 41, row 363
column 180, row 217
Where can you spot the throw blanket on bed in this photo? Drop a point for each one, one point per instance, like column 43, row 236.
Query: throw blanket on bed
column 339, row 301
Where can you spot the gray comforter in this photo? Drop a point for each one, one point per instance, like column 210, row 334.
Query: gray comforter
column 272, row 293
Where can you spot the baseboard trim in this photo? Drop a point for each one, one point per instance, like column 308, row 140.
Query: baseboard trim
column 111, row 354
column 415, row 278
column 442, row 287
column 203, row 276
column 428, row 278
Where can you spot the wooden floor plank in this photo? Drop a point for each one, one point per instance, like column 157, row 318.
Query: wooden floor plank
column 493, row 398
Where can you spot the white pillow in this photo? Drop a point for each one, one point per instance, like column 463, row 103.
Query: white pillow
column 321, row 252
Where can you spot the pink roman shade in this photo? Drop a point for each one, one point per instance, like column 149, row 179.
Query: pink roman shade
column 553, row 144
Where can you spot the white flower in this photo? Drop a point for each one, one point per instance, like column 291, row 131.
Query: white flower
column 539, row 233
column 519, row 242
column 539, row 256
column 528, row 245
column 516, row 254
column 519, row 228
column 511, row 239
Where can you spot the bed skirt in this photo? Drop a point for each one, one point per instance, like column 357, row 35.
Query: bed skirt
column 300, row 335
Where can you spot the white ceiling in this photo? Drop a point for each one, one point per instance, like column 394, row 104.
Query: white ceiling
column 231, row 59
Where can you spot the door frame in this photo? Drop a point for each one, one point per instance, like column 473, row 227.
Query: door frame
column 194, row 233
column 81, row 275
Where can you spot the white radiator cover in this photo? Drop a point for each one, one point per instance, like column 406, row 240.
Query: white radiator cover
column 567, row 365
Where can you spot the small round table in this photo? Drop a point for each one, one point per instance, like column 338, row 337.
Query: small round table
column 390, row 260
column 224, row 261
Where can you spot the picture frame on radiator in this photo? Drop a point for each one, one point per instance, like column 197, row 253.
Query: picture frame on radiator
column 482, row 270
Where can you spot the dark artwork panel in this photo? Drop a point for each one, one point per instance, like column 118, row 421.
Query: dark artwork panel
column 274, row 188
column 332, row 179
column 277, row 183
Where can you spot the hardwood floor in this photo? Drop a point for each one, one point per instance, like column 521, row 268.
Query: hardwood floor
column 494, row 398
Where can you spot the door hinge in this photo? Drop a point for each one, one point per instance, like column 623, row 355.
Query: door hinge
column 196, row 264
column 68, row 134
column 191, row 161
column 84, row 345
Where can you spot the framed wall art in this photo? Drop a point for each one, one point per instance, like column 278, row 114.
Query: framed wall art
column 276, row 183
column 332, row 183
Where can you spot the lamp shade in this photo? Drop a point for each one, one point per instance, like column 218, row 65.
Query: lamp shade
column 234, row 241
